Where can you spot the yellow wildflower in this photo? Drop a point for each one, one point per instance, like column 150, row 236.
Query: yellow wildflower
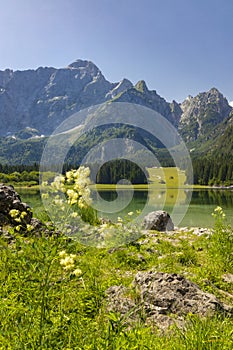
column 218, row 209
column 73, row 196
column 58, row 183
column 57, row 201
column 29, row 227
column 82, row 203
column 62, row 253
column 74, row 214
column 68, row 266
column 23, row 214
column 14, row 213
column 77, row 272
column 67, row 260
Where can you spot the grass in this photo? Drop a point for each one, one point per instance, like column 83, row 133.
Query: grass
column 45, row 306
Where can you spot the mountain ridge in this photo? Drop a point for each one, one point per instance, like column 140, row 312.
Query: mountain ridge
column 45, row 97
column 34, row 102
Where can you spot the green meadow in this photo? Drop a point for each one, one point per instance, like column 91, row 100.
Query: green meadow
column 47, row 304
column 53, row 288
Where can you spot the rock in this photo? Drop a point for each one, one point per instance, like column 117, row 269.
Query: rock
column 118, row 301
column 228, row 278
column 7, row 196
column 37, row 224
column 44, row 97
column 9, row 199
column 201, row 231
column 158, row 220
column 162, row 300
column 172, row 293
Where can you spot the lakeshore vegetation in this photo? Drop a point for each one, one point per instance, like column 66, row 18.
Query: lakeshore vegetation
column 205, row 172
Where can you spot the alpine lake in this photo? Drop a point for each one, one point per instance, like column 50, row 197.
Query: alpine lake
column 188, row 207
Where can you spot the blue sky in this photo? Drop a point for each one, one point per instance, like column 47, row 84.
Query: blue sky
column 179, row 47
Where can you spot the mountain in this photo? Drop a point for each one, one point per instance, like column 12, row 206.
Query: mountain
column 43, row 98
column 140, row 94
column 34, row 102
column 202, row 113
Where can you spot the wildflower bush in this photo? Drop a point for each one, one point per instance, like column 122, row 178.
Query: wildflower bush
column 68, row 200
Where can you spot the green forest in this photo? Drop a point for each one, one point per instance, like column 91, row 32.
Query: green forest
column 209, row 171
column 206, row 171
column 119, row 169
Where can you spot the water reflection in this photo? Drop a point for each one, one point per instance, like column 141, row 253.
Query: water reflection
column 199, row 211
column 219, row 197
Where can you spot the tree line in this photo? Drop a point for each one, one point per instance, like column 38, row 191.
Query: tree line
column 119, row 169
column 206, row 171
column 212, row 171
column 29, row 178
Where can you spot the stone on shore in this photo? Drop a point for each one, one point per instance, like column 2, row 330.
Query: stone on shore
column 158, row 220
column 14, row 212
column 10, row 199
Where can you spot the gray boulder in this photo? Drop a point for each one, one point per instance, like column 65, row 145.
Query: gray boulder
column 9, row 199
column 171, row 293
column 162, row 299
column 158, row 220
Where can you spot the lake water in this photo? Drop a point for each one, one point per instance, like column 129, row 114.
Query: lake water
column 197, row 205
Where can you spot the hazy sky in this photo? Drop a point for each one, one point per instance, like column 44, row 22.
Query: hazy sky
column 179, row 47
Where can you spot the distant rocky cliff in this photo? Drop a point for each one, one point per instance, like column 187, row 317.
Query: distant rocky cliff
column 43, row 98
column 201, row 113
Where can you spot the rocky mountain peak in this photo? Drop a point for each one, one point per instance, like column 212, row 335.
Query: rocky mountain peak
column 44, row 97
column 214, row 90
column 84, row 65
column 123, row 85
column 201, row 113
column 141, row 86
